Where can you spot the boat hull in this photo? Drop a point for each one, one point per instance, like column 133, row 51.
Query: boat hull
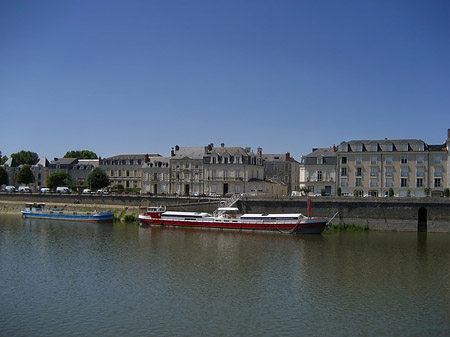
column 306, row 226
column 74, row 216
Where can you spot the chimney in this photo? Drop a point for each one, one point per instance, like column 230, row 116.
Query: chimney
column 334, row 147
column 448, row 133
column 177, row 147
column 288, row 156
column 172, row 153
column 222, row 145
column 314, row 149
column 146, row 159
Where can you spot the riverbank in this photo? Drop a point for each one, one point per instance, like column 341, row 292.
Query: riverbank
column 384, row 214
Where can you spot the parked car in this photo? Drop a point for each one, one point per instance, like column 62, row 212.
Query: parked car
column 63, row 190
column 102, row 192
column 214, row 195
column 10, row 189
column 24, row 189
column 87, row 191
column 45, row 190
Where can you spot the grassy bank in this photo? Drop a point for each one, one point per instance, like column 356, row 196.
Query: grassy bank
column 346, row 228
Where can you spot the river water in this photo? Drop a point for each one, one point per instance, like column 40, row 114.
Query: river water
column 77, row 279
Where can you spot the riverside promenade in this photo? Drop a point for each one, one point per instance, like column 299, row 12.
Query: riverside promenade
column 387, row 214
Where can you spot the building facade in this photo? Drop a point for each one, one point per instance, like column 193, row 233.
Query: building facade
column 283, row 170
column 156, row 176
column 405, row 167
column 318, row 172
column 125, row 169
column 233, row 170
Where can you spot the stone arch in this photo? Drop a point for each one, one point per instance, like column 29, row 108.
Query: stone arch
column 422, row 222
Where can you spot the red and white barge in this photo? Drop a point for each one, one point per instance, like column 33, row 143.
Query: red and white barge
column 230, row 218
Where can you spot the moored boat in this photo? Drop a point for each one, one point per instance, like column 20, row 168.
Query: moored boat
column 40, row 211
column 230, row 218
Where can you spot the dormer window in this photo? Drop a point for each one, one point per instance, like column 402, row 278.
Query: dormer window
column 389, row 147
column 359, row 148
column 405, row 147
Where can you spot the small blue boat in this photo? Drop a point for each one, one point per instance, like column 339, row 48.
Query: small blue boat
column 40, row 211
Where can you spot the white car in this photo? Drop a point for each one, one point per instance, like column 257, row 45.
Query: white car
column 87, row 191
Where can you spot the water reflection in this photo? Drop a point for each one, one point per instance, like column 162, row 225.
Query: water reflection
column 71, row 278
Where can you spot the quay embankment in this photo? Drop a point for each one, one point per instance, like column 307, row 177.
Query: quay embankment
column 388, row 214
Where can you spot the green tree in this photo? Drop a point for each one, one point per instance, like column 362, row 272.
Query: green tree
column 83, row 154
column 3, row 160
column 25, row 157
column 391, row 192
column 25, row 175
column 58, row 179
column 98, row 179
column 3, row 176
column 447, row 192
column 339, row 191
column 427, row 191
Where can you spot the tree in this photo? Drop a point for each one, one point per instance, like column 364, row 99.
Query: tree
column 25, row 157
column 98, row 179
column 3, row 160
column 83, row 154
column 58, row 179
column 25, row 175
column 3, row 176
column 391, row 192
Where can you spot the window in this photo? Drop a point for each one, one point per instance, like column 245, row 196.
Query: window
column 344, row 148
column 373, row 160
column 420, row 172
column 374, row 147
column 358, row 160
column 319, row 175
column 319, row 160
column 404, row 172
column 358, row 182
column 437, row 172
column 437, row 182
column 344, row 182
column 437, row 159
column 419, row 182
column 389, row 171
column 186, row 176
column 155, row 176
column 343, row 171
column 358, row 172
column 389, row 147
column 389, row 182
column 420, row 147
column 404, row 182
column 373, row 171
column 405, row 147
column 404, row 159
column 196, row 176
column 344, row 160
column 389, row 160
column 373, row 182
column 420, row 159
column 186, row 165
column 359, row 148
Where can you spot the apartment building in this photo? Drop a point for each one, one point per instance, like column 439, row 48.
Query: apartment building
column 407, row 167
column 186, row 170
column 283, row 170
column 125, row 169
column 318, row 171
column 156, row 176
column 233, row 170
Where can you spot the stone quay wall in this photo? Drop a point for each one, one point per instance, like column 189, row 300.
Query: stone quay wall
column 389, row 214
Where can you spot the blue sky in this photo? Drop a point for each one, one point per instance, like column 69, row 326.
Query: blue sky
column 125, row 76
